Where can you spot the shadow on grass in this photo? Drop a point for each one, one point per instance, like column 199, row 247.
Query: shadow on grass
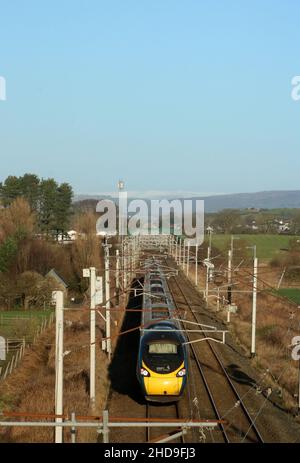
column 239, row 376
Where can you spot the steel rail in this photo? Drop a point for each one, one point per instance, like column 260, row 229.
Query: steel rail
column 233, row 388
column 148, row 417
column 210, row 395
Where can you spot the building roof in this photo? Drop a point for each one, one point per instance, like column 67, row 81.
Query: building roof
column 53, row 273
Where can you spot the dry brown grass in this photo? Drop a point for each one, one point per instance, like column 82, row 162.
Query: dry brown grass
column 30, row 389
column 276, row 328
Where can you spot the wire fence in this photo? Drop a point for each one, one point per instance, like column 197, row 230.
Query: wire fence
column 15, row 347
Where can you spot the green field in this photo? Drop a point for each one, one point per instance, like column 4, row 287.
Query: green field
column 25, row 313
column 20, row 323
column 268, row 246
column 290, row 293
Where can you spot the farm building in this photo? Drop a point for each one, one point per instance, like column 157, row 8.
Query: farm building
column 61, row 285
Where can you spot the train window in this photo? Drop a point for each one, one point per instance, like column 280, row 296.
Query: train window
column 156, row 282
column 157, row 289
column 159, row 299
column 157, row 315
column 162, row 348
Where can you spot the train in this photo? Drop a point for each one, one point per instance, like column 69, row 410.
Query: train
column 162, row 366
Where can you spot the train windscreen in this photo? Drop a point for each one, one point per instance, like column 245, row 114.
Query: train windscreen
column 163, row 356
column 162, row 348
column 155, row 282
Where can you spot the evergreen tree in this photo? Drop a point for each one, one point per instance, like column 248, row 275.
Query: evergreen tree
column 10, row 190
column 51, row 202
column 30, row 189
column 47, row 205
column 8, row 251
column 63, row 205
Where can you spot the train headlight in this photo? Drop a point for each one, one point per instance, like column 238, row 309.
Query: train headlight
column 144, row 372
column 181, row 372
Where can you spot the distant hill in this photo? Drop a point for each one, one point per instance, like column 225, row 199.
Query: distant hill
column 261, row 200
column 82, row 197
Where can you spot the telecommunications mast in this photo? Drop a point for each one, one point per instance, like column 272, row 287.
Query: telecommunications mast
column 121, row 185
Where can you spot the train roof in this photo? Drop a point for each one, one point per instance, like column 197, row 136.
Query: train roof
column 166, row 330
column 158, row 303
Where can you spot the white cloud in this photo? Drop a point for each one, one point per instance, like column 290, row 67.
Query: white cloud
column 155, row 194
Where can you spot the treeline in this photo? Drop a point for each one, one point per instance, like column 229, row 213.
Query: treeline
column 262, row 221
column 50, row 201
column 32, row 209
column 25, row 258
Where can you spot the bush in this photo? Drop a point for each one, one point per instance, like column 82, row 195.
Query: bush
column 276, row 262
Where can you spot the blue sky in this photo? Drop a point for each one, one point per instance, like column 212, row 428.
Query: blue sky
column 166, row 94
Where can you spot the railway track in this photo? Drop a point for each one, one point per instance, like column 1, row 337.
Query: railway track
column 224, row 398
column 125, row 398
column 164, row 413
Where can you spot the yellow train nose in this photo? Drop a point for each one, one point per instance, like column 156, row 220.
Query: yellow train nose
column 158, row 386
